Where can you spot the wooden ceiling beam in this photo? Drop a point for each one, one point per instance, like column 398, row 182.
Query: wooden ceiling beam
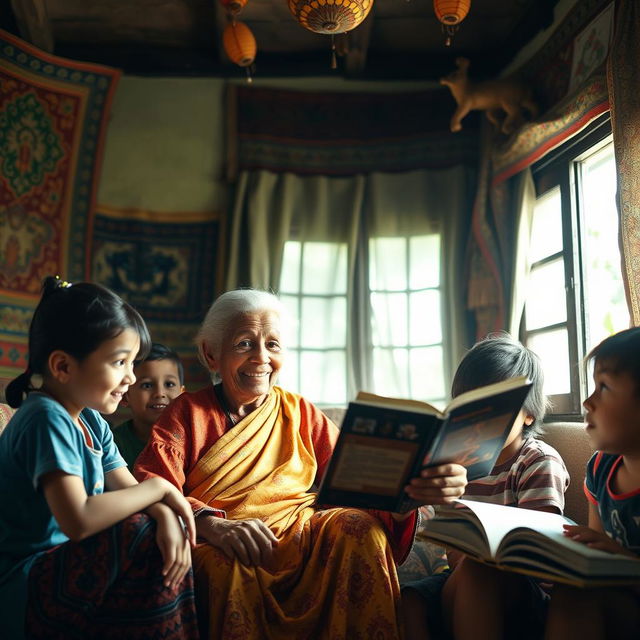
column 33, row 22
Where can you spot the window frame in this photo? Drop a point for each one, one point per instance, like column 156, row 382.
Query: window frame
column 562, row 168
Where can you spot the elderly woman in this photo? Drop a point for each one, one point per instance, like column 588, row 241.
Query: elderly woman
column 246, row 453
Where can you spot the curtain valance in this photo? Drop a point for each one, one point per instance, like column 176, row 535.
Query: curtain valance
column 344, row 133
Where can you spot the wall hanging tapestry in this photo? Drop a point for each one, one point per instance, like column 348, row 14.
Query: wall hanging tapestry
column 53, row 114
column 167, row 265
column 340, row 134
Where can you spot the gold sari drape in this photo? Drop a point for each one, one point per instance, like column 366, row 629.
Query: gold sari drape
column 333, row 573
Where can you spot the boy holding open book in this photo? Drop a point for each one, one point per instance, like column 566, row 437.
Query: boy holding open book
column 473, row 600
column 612, row 487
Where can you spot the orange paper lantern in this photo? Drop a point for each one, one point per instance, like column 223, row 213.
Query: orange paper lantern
column 330, row 16
column 239, row 43
column 451, row 12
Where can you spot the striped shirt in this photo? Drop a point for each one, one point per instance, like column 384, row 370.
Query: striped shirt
column 533, row 478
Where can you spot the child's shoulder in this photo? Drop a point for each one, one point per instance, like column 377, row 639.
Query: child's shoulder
column 601, row 463
column 534, row 449
column 37, row 405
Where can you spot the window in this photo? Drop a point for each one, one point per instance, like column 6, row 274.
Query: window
column 406, row 325
column 313, row 287
column 391, row 343
column 575, row 294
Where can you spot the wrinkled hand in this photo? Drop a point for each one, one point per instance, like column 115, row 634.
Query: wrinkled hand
column 251, row 541
column 595, row 539
column 174, row 547
column 438, row 485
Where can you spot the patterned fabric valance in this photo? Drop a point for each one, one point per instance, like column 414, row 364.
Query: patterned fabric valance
column 568, row 74
column 534, row 140
column 345, row 133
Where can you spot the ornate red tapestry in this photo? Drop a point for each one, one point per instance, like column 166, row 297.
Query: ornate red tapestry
column 53, row 114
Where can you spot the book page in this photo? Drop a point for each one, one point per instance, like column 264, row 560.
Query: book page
column 497, row 520
column 371, row 399
column 373, row 465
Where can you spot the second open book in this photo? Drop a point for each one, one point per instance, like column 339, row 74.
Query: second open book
column 527, row 541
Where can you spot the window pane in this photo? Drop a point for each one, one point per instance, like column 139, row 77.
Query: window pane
column 424, row 262
column 389, row 319
column 290, row 277
column 388, row 264
column 390, row 367
column 329, row 388
column 292, row 306
column 553, row 349
column 426, row 374
column 288, row 377
column 546, row 231
column 424, row 318
column 546, row 298
column 324, row 268
column 324, row 322
column 605, row 302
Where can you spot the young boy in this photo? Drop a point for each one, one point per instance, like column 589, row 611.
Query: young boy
column 612, row 487
column 159, row 380
column 472, row 600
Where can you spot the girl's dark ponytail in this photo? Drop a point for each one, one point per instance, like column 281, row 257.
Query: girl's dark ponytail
column 76, row 319
column 16, row 390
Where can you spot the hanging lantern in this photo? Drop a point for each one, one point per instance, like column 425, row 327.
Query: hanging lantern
column 330, row 17
column 240, row 45
column 233, row 7
column 451, row 13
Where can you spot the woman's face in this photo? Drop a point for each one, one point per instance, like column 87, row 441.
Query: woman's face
column 250, row 357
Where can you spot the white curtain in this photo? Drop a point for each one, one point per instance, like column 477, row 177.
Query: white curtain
column 271, row 208
column 524, row 205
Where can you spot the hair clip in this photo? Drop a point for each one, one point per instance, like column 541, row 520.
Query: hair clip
column 62, row 283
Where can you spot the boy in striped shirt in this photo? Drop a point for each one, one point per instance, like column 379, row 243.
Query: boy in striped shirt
column 472, row 600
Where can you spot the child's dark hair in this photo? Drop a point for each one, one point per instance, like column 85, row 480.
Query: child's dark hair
column 499, row 357
column 160, row 352
column 621, row 352
column 75, row 319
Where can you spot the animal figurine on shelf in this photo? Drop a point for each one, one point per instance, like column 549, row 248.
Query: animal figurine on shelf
column 495, row 97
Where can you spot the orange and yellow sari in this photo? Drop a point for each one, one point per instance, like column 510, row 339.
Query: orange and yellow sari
column 333, row 572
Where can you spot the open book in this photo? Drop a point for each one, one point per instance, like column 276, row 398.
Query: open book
column 384, row 442
column 527, row 541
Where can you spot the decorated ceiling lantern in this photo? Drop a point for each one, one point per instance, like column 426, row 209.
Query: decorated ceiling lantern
column 240, row 45
column 330, row 17
column 451, row 13
column 233, row 7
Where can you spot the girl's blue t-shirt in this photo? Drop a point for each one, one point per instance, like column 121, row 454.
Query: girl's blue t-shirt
column 619, row 513
column 41, row 437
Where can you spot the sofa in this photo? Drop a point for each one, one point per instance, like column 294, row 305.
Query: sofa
column 568, row 438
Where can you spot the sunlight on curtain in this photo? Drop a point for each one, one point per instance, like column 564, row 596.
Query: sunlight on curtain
column 362, row 264
column 406, row 316
column 313, row 288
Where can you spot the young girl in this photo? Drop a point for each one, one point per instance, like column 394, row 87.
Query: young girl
column 612, row 487
column 77, row 559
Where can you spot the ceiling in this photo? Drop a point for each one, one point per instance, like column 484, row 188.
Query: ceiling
column 399, row 40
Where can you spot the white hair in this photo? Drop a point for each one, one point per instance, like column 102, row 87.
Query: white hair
column 225, row 309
